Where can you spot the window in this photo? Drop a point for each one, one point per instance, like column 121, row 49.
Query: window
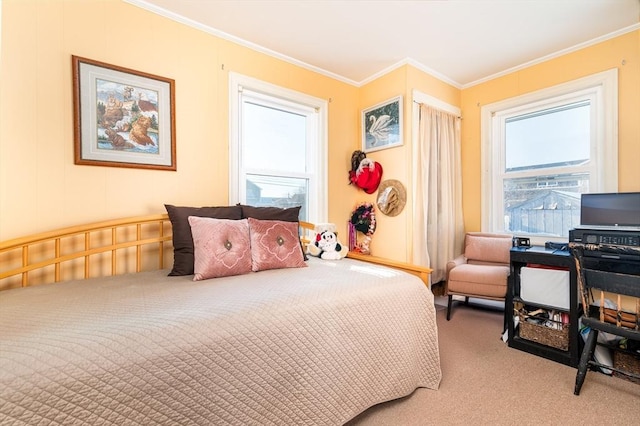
column 278, row 148
column 541, row 151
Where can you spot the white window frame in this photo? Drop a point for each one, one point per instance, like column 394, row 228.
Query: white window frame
column 316, row 155
column 602, row 89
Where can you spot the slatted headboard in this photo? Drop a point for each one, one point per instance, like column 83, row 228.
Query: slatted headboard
column 103, row 248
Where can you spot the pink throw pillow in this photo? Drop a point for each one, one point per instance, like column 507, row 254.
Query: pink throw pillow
column 275, row 244
column 221, row 247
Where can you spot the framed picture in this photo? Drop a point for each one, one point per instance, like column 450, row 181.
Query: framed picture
column 382, row 125
column 122, row 117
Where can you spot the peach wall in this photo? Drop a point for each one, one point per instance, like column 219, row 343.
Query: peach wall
column 393, row 238
column 41, row 188
column 390, row 238
column 622, row 52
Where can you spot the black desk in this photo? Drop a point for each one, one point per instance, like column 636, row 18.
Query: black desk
column 521, row 256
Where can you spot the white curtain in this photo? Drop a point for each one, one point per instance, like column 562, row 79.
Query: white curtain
column 438, row 221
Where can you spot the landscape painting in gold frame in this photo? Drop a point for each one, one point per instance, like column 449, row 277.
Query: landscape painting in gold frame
column 122, row 117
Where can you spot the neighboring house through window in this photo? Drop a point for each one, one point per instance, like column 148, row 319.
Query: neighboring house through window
column 542, row 150
column 278, row 148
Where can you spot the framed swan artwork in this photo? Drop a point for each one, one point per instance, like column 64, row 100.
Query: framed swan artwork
column 122, row 117
column 382, row 125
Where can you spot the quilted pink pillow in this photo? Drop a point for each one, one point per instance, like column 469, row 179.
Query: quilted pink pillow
column 275, row 244
column 221, row 247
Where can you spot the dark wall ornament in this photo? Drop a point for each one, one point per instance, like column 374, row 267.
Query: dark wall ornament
column 365, row 173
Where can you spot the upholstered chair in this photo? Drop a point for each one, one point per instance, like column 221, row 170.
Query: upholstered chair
column 482, row 270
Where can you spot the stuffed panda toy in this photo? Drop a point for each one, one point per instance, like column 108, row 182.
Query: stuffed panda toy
column 326, row 245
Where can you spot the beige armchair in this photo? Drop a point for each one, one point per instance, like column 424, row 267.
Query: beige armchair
column 482, row 270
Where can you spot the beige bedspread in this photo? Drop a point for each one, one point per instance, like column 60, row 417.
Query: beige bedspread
column 314, row 345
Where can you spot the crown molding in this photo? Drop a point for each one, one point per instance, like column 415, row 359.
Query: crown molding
column 554, row 55
column 221, row 34
column 406, row 61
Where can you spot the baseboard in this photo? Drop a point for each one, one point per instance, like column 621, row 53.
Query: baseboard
column 441, row 300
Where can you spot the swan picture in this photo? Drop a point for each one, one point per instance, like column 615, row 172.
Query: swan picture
column 379, row 129
column 382, row 125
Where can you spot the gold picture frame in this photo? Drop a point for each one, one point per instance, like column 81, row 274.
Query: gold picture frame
column 122, row 117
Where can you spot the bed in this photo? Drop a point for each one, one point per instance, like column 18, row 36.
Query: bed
column 93, row 330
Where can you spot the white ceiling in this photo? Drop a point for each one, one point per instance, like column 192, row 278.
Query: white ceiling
column 462, row 42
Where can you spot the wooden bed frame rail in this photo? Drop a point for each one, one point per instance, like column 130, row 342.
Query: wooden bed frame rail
column 420, row 271
column 21, row 258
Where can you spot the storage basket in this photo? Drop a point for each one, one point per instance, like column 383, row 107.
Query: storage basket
column 628, row 362
column 556, row 338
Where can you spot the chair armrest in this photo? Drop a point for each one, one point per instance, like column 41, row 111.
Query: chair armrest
column 460, row 260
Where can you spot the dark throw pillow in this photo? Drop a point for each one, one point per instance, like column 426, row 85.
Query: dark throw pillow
column 182, row 237
column 290, row 214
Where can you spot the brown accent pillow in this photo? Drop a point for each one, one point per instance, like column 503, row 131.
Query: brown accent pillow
column 221, row 247
column 182, row 238
column 274, row 244
column 289, row 214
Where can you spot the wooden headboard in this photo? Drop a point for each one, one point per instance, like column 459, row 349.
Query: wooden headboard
column 113, row 247
column 97, row 249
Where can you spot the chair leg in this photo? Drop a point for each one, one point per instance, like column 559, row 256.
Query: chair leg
column 587, row 353
column 449, row 307
column 505, row 321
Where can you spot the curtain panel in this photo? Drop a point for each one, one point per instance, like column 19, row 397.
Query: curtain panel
column 438, row 219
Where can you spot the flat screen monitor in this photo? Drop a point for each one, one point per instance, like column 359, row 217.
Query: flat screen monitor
column 615, row 209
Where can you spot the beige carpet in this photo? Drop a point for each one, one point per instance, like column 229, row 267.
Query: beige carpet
column 486, row 382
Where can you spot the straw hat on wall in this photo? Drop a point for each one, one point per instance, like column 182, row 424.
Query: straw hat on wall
column 392, row 197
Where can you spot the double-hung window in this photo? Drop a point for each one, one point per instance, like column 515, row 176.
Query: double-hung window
column 278, row 148
column 542, row 151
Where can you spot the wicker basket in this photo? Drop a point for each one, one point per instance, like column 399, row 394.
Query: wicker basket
column 627, row 362
column 548, row 336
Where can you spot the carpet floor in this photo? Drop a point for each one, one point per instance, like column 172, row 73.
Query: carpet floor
column 484, row 382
